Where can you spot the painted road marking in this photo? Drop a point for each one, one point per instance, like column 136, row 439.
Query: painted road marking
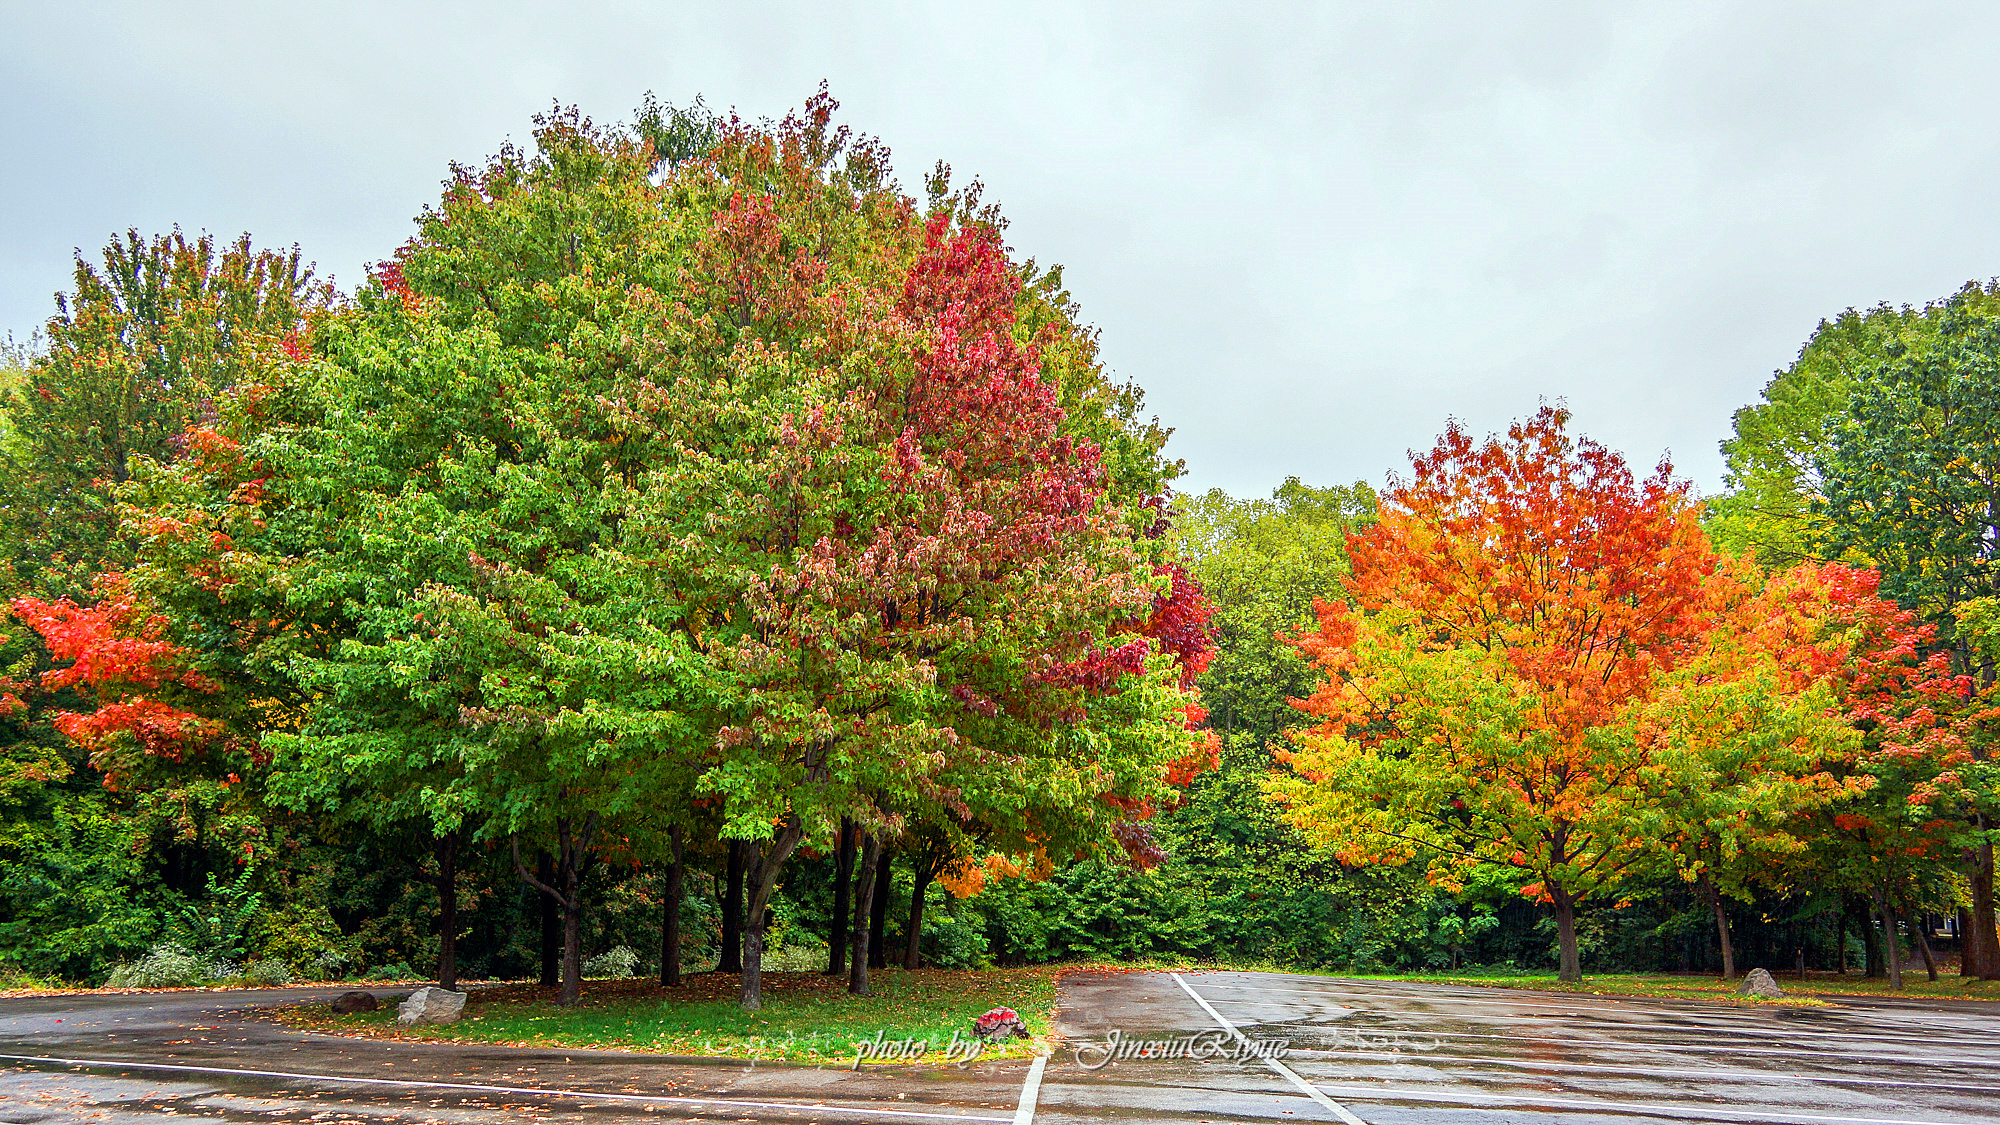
column 408, row 1083
column 1025, row 1112
column 1311, row 1090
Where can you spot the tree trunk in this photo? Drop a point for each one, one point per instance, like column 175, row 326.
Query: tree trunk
column 1571, row 969
column 1967, row 946
column 1892, row 952
column 764, row 863
column 447, row 886
column 670, row 914
column 1987, row 941
column 1714, row 898
column 732, row 911
column 551, row 923
column 864, row 898
column 1858, row 911
column 574, row 842
column 1921, row 931
column 1840, row 939
column 920, row 880
column 572, row 963
column 878, row 914
column 843, row 875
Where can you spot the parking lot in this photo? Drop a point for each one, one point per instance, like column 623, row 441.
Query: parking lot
column 1137, row 1047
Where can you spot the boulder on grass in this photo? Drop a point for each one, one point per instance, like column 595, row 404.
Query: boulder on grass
column 998, row 1026
column 430, row 1005
column 348, row 1003
column 1758, row 982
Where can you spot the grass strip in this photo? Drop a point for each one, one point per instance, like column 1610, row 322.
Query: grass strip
column 806, row 1017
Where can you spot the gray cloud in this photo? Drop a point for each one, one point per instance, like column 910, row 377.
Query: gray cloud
column 1312, row 231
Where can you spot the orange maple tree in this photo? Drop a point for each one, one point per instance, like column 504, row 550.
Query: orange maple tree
column 1515, row 597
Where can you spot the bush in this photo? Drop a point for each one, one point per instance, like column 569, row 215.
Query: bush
column 618, row 962
column 166, row 965
column 795, row 956
column 269, row 972
column 951, row 942
column 217, row 925
column 328, row 964
column 395, row 970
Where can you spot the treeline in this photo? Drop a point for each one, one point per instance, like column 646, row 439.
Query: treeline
column 691, row 552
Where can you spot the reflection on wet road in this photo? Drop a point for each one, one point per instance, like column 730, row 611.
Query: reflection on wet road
column 1380, row 1053
column 175, row 1056
column 1393, row 1053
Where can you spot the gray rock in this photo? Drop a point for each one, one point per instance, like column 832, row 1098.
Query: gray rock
column 1758, row 982
column 347, row 1003
column 431, row 1005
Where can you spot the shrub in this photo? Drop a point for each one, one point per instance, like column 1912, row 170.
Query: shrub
column 618, row 962
column 166, row 965
column 15, row 977
column 270, row 972
column 795, row 957
column 327, row 964
column 951, row 942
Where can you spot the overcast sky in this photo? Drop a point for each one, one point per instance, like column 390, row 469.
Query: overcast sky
column 1312, row 232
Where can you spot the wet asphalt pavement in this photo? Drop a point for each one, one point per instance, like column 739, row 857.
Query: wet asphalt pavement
column 1355, row 1051
column 1397, row 1054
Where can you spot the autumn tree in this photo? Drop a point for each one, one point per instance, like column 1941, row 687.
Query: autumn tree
column 1513, row 598
column 907, row 550
column 1749, row 742
column 153, row 337
column 730, row 478
column 147, row 341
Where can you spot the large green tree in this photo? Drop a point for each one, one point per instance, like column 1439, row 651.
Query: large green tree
column 733, row 477
column 1773, row 475
column 1910, row 478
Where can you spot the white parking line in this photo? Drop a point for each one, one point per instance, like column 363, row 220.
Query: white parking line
column 1311, row 1090
column 1025, row 1112
column 407, row 1083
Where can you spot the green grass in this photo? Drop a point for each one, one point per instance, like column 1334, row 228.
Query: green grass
column 806, row 1017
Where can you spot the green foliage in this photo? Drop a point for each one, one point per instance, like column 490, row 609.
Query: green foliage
column 1908, row 473
column 218, row 926
column 148, row 341
column 1773, row 472
column 1263, row 563
column 76, row 894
